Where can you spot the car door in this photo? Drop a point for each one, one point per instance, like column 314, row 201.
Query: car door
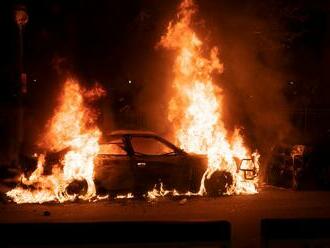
column 156, row 161
column 113, row 170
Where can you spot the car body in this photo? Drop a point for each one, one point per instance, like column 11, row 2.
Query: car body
column 136, row 161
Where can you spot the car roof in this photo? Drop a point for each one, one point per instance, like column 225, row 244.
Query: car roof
column 123, row 132
column 132, row 132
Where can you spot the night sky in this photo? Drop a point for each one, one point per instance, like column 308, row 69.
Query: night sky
column 275, row 55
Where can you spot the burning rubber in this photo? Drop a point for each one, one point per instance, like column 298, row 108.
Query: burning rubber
column 219, row 183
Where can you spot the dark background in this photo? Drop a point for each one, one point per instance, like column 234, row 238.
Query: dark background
column 275, row 55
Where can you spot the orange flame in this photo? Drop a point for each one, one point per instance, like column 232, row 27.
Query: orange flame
column 196, row 107
column 73, row 127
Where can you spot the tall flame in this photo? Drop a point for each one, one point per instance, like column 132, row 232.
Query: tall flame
column 72, row 127
column 196, row 106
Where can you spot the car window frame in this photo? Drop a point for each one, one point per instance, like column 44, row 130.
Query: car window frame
column 125, row 148
column 176, row 151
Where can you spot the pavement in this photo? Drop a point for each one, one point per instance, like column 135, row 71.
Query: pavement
column 244, row 212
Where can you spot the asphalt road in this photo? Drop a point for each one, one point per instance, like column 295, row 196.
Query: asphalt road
column 244, row 212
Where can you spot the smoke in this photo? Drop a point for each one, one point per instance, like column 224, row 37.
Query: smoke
column 250, row 37
column 152, row 70
column 251, row 48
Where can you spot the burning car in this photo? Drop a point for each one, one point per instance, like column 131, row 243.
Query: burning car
column 77, row 164
column 132, row 161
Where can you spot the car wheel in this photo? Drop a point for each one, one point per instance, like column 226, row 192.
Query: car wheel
column 219, row 183
column 77, row 187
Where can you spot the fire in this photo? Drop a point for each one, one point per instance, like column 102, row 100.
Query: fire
column 72, row 127
column 195, row 111
column 196, row 106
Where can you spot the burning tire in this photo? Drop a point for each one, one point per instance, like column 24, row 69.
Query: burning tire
column 219, row 183
column 78, row 187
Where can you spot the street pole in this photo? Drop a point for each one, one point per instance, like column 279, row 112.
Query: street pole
column 21, row 19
